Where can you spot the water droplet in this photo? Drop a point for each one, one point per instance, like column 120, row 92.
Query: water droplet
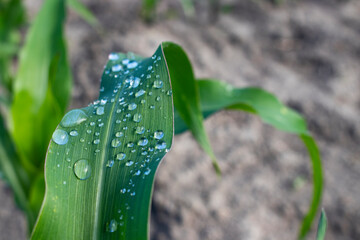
column 137, row 117
column 101, row 124
column 110, row 163
column 96, row 141
column 125, row 61
column 73, row 118
column 120, row 156
column 152, row 107
column 82, row 169
column 115, row 143
column 140, row 93
column 158, row 84
column 116, row 68
column 169, row 93
column 132, row 65
column 130, row 144
column 138, row 172
column 140, row 129
column 74, row 133
column 92, row 124
column 143, row 142
column 132, row 106
column 113, row 56
column 129, row 163
column 119, row 134
column 100, row 111
column 158, row 98
column 111, row 226
column 147, row 171
column 142, row 101
column 158, row 134
column 82, row 140
column 123, row 190
column 160, row 145
column 88, row 131
column 136, row 82
column 103, row 101
column 132, row 194
column 60, row 137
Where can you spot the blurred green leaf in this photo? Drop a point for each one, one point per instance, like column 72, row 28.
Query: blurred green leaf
column 148, row 9
column 42, row 85
column 83, row 11
column 216, row 95
column 321, row 230
column 186, row 96
column 102, row 159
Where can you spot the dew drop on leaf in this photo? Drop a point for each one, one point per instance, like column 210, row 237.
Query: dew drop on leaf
column 158, row 135
column 132, row 106
column 82, row 169
column 119, row 134
column 120, row 156
column 116, row 68
column 147, row 171
column 132, row 65
column 158, row 84
column 111, row 226
column 74, row 133
column 60, row 137
column 73, row 118
column 129, row 163
column 110, row 163
column 115, row 143
column 140, row 93
column 140, row 129
column 160, row 145
column 100, row 111
column 113, row 56
column 143, row 142
column 137, row 117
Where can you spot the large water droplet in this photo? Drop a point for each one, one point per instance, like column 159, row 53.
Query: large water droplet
column 137, row 117
column 115, row 143
column 132, row 106
column 73, row 118
column 120, row 156
column 111, row 226
column 136, row 82
column 158, row 84
column 140, row 93
column 160, row 145
column 143, row 142
column 60, row 137
column 82, row 169
column 100, row 111
column 96, row 141
column 158, row 134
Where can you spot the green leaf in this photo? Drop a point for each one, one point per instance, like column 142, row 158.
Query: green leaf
column 102, row 159
column 321, row 231
column 148, row 9
column 12, row 171
column 82, row 10
column 216, row 95
column 42, row 86
column 186, row 96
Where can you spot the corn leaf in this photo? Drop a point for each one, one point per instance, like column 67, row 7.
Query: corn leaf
column 321, row 231
column 102, row 159
column 216, row 95
column 42, row 86
column 186, row 96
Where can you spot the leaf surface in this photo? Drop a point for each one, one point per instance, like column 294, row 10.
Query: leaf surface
column 102, row 159
column 321, row 230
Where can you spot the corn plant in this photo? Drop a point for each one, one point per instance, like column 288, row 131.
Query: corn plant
column 102, row 159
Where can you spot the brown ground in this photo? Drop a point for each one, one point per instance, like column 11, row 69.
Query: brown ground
column 306, row 52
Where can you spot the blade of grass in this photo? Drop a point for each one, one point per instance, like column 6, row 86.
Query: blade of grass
column 186, row 96
column 102, row 159
column 216, row 95
column 83, row 11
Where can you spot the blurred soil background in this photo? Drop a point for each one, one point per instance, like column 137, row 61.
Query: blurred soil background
column 306, row 52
